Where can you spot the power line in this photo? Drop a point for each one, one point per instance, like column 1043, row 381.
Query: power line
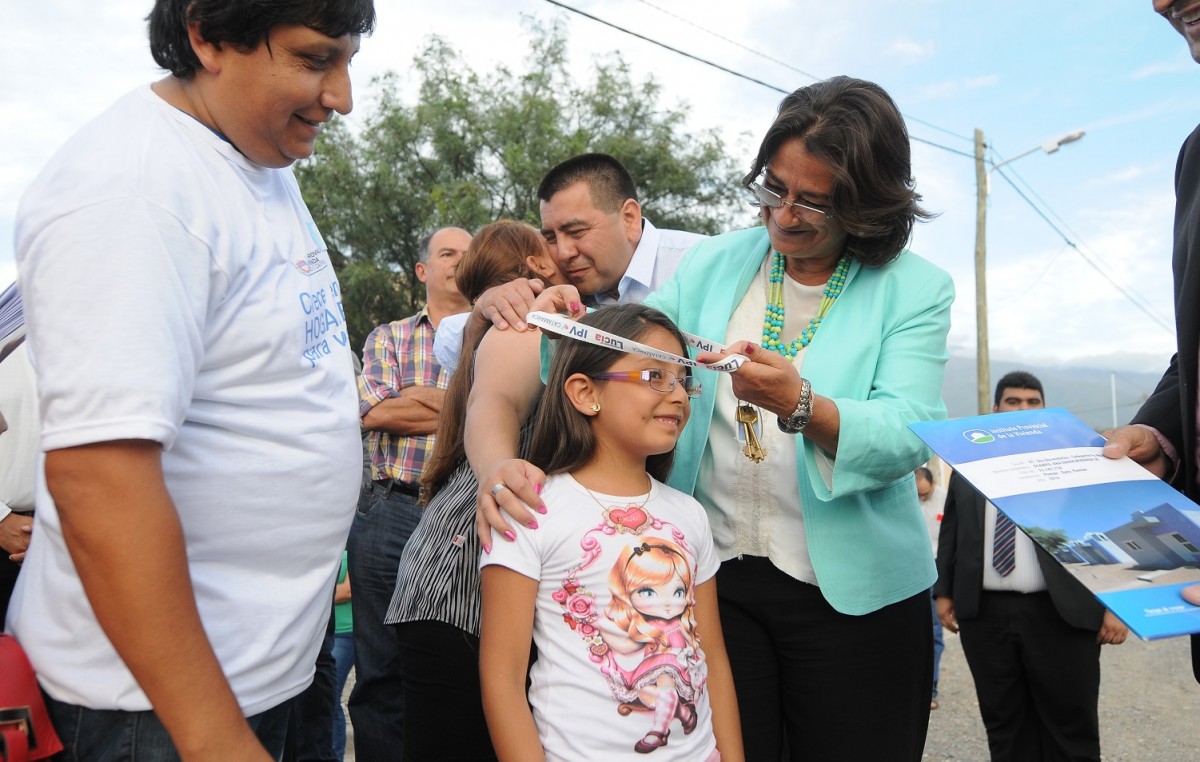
column 746, row 48
column 1136, row 300
column 1140, row 300
column 1086, row 258
column 738, row 74
column 787, row 65
column 677, row 51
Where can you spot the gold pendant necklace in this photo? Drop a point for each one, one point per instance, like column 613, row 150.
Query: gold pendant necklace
column 631, row 518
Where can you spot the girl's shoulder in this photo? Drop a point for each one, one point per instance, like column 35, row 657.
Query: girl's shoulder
column 677, row 500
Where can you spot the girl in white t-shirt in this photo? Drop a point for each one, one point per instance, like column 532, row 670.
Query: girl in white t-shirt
column 616, row 586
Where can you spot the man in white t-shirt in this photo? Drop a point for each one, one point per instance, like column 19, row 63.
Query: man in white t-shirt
column 201, row 441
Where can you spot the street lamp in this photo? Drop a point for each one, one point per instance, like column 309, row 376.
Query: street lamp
column 983, row 182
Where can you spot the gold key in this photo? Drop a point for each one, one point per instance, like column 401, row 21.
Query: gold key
column 747, row 416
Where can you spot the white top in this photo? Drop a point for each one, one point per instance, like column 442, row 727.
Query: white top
column 177, row 292
column 654, row 262
column 448, row 340
column 757, row 508
column 1026, row 576
column 932, row 508
column 18, row 445
column 595, row 653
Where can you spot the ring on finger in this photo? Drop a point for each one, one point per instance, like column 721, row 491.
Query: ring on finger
column 497, row 487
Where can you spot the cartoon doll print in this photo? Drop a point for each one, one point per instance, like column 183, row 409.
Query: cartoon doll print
column 652, row 601
column 645, row 642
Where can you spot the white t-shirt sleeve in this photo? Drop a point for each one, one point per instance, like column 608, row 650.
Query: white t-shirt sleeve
column 522, row 556
column 127, row 370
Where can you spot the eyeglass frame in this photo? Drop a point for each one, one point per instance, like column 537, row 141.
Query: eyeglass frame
column 761, row 195
column 646, row 376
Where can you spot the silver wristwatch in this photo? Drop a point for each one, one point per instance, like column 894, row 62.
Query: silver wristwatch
column 800, row 417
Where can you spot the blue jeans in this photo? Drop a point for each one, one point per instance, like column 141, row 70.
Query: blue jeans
column 343, row 657
column 939, row 643
column 110, row 735
column 310, row 735
column 384, row 522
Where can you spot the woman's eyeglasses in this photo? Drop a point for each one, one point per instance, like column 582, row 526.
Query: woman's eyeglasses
column 761, row 195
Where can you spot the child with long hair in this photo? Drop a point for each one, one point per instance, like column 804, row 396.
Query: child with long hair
column 616, row 587
column 435, row 605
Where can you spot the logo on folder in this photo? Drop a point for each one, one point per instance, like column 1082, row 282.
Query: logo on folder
column 979, row 436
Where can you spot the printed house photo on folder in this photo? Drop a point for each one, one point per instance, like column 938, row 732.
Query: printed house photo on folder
column 1129, row 537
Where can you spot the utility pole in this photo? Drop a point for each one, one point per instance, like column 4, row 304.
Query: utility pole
column 982, row 361
column 982, row 181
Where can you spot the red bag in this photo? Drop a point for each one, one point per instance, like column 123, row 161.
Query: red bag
column 25, row 729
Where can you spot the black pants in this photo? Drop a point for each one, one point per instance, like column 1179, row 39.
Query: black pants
column 8, row 580
column 814, row 684
column 1037, row 679
column 443, row 704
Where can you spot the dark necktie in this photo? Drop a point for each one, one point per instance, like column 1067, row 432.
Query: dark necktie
column 1004, row 545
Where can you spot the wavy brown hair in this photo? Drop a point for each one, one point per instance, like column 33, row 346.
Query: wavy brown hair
column 498, row 253
column 854, row 128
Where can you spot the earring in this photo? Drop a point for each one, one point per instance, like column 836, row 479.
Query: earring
column 595, row 407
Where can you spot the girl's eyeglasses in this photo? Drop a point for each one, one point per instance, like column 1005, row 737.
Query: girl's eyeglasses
column 659, row 380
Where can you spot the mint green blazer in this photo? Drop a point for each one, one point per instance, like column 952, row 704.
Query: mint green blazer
column 880, row 354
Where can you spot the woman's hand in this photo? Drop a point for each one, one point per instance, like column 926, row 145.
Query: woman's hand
column 560, row 299
column 522, row 490
column 769, row 380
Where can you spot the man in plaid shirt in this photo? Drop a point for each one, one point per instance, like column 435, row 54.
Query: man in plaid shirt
column 400, row 395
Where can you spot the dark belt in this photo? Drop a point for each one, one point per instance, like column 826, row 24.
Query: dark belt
column 412, row 489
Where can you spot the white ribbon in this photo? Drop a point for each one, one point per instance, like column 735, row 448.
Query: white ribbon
column 580, row 332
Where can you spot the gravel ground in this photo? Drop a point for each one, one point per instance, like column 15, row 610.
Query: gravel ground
column 1149, row 705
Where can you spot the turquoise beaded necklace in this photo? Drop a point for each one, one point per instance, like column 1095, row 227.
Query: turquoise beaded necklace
column 773, row 321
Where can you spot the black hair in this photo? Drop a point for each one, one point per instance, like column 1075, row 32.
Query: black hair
column 1018, row 379
column 607, row 179
column 245, row 24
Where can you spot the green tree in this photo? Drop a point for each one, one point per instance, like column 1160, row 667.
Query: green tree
column 1050, row 539
column 473, row 149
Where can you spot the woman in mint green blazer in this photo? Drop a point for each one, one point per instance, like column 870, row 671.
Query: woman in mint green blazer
column 802, row 457
column 826, row 561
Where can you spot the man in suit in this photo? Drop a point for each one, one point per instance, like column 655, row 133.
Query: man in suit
column 1030, row 631
column 1162, row 436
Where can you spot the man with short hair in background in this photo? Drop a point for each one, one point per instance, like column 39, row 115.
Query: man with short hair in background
column 594, row 226
column 1031, row 632
column 401, row 391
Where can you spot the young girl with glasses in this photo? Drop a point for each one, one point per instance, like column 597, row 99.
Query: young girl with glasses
column 616, row 588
